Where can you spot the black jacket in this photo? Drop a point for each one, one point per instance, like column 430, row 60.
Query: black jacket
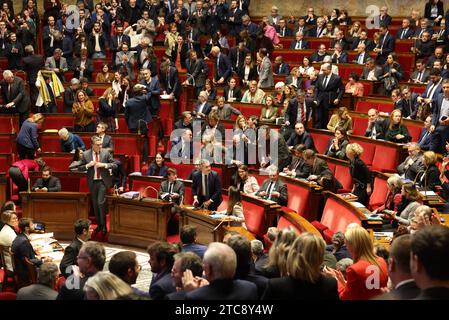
column 53, row 184
column 21, row 247
column 69, row 258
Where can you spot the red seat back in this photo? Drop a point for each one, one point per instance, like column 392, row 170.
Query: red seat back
column 414, row 130
column 58, row 121
column 254, row 218
column 298, row 199
column 284, row 223
column 336, row 216
column 50, row 143
column 58, row 163
column 385, row 159
column 7, row 124
column 368, row 152
column 6, row 144
column 321, row 141
column 343, row 175
column 182, row 170
column 380, row 192
column 385, row 107
column 139, row 186
column 364, row 106
column 359, row 125
column 4, row 164
column 127, row 145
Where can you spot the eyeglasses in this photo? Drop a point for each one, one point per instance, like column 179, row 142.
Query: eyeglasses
column 82, row 257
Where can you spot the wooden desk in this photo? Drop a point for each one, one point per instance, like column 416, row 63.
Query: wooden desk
column 58, row 210
column 138, row 223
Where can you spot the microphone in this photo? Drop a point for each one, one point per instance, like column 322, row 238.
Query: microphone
column 189, row 76
column 417, row 175
column 218, row 226
column 142, row 193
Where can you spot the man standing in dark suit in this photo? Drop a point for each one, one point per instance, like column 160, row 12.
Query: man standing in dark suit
column 47, row 183
column 22, row 248
column 384, row 17
column 429, row 262
column 32, row 63
column 91, row 259
column 97, row 162
column 425, row 137
column 440, row 118
column 223, row 67
column 106, row 140
column 237, row 56
column 273, row 188
column 82, row 234
column 220, row 263
column 161, row 262
column 299, row 110
column 234, row 19
column 385, row 45
column 197, row 71
column 153, row 88
column 15, row 97
column 169, row 80
column 117, row 40
column 330, row 90
column 206, row 187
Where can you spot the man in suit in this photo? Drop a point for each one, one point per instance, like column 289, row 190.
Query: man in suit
column 117, row 40
column 83, row 66
column 97, row 162
column 213, row 127
column 280, row 67
column 82, row 234
column 259, row 256
column 188, row 236
column 371, row 71
column 424, row 46
column 197, row 71
column 272, row 148
column 237, row 56
column 4, row 36
column 57, row 63
column 318, row 56
column 265, row 70
column 376, row 125
column 169, row 80
column 22, row 248
column 299, row 43
column 283, row 30
column 98, row 42
column 161, row 262
column 47, row 183
column 15, row 97
column 124, row 61
column 32, row 63
column 192, row 36
column 300, row 136
column 106, row 140
column 249, row 26
column 425, row 137
column 69, row 95
column 318, row 166
column 51, row 36
column 428, row 267
column 172, row 190
column 340, row 38
column 185, row 261
column 363, row 38
column 224, row 110
column 273, row 188
column 91, row 259
column 339, row 56
column 185, row 122
column 318, row 31
column 330, row 90
column 437, row 55
column 413, row 164
column 234, row 19
column 219, row 263
column 202, row 107
column 44, row 289
column 299, row 110
column 310, row 18
column 362, row 55
column 385, row 45
column 384, row 17
column 409, row 103
column 424, row 26
column 433, row 88
column 275, row 17
column 223, row 67
column 151, row 82
column 406, row 32
column 440, row 118
column 182, row 147
column 206, row 187
column 421, row 74
column 14, row 52
column 298, row 168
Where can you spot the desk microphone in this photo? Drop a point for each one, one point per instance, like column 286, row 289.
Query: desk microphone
column 218, row 226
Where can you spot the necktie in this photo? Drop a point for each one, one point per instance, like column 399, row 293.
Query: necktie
column 419, row 76
column 97, row 159
column 169, row 7
column 170, row 188
column 119, row 40
column 237, row 62
column 10, row 91
column 360, row 59
column 431, row 91
column 269, row 190
column 280, row 68
column 325, row 82
column 283, row 32
column 168, row 79
column 403, row 33
column 383, row 42
column 303, row 114
column 420, row 34
column 207, row 186
column 230, row 95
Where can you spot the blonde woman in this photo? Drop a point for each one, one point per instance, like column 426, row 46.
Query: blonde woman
column 277, row 256
column 107, row 110
column 340, row 119
column 83, row 110
column 305, row 281
column 27, row 143
column 361, row 175
column 106, row 286
column 171, row 39
column 366, row 264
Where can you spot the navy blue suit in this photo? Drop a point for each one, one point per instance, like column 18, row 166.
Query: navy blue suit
column 154, row 90
column 225, row 289
column 282, row 69
column 304, row 45
column 441, row 133
column 161, row 285
column 425, row 140
column 170, row 82
column 342, row 59
column 21, row 247
column 136, row 109
column 224, row 68
column 407, row 35
column 213, row 191
column 387, row 48
column 206, row 110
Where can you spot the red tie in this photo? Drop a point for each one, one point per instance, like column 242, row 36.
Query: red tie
column 97, row 159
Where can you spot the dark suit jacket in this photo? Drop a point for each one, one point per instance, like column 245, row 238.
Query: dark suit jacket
column 436, row 293
column 198, row 69
column 206, row 109
column 252, row 74
column 366, row 71
column 214, row 186
column 313, row 33
column 136, row 109
column 282, row 69
column 288, row 288
column 233, row 53
column 69, row 258
column 319, row 167
column 102, row 41
column 369, row 45
column 291, row 114
column 172, row 81
column 280, row 187
column 408, row 34
column 107, row 142
column 18, row 94
column 436, row 91
column 32, row 64
column 431, row 178
column 161, row 285
column 21, row 247
column 424, row 77
column 176, row 149
column 87, row 72
column 154, row 91
column 287, row 31
column 342, row 59
column 66, row 293
column 53, row 184
column 105, row 157
column 388, row 46
column 425, row 141
column 114, row 42
column 334, row 89
column 236, row 93
column 406, row 291
column 304, row 45
column 381, row 129
column 305, row 139
column 178, row 187
column 225, row 289
column 385, row 20
column 152, row 170
column 436, row 107
column 224, row 68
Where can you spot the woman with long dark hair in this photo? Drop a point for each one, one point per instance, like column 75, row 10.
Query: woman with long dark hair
column 245, row 182
column 235, row 208
column 337, row 144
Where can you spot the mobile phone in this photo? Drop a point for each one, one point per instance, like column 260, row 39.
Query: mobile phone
column 444, row 118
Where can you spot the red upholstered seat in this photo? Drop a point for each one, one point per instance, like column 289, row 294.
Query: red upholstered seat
column 182, row 170
column 284, row 223
column 298, row 199
column 8, row 124
column 364, row 106
column 58, row 163
column 83, row 187
column 141, row 185
column 6, row 143
column 249, row 110
column 188, row 197
column 173, row 238
column 380, row 192
column 368, row 152
column 385, row 159
column 58, row 122
column 8, row 296
column 331, row 166
column 385, row 107
column 4, row 164
column 122, row 126
column 321, row 141
column 359, row 125
column 50, row 143
column 344, row 177
column 336, row 216
column 254, row 218
column 414, row 130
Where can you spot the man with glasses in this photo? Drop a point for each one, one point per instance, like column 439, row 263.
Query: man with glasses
column 83, row 232
column 124, row 265
column 273, row 188
column 91, row 259
column 413, row 164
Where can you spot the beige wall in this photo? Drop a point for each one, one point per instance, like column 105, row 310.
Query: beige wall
column 355, row 7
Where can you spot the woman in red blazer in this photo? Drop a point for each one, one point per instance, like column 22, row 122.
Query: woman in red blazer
column 368, row 274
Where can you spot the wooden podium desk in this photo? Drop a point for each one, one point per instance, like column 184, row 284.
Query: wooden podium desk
column 58, row 210
column 138, row 223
